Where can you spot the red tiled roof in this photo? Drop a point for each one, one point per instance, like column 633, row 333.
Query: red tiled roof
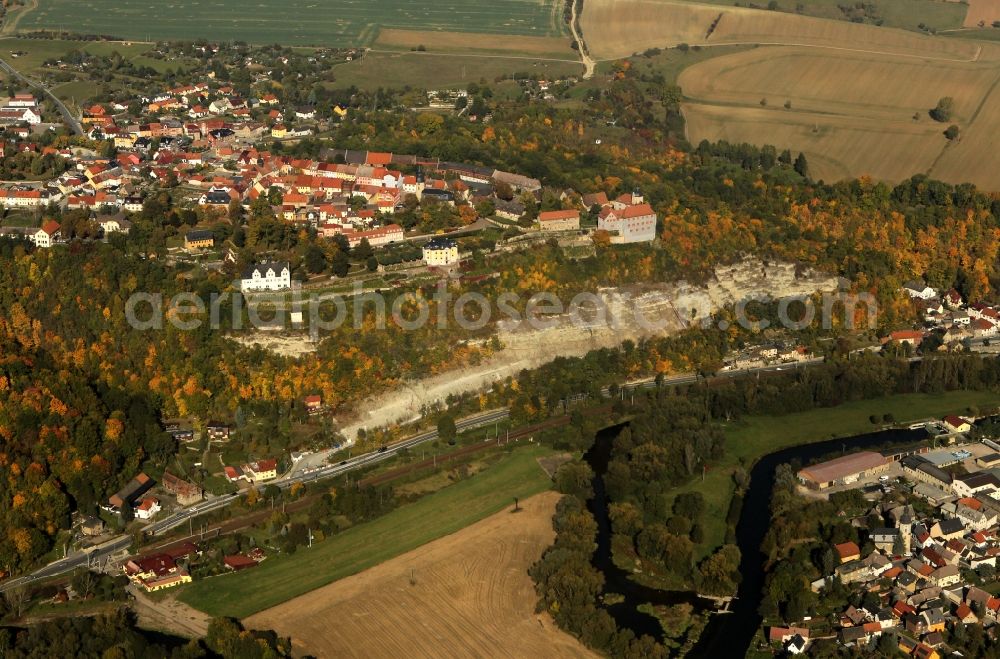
column 638, row 210
column 265, row 465
column 549, row 216
column 846, row 549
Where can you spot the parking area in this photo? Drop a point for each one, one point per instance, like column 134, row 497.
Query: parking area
column 950, row 457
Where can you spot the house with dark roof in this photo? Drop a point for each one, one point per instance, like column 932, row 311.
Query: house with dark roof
column 968, row 485
column 199, row 239
column 948, row 528
column 134, row 489
column 270, row 276
column 921, row 469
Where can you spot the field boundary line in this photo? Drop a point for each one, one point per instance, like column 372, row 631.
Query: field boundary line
column 972, row 120
column 588, row 62
column 428, row 53
column 10, row 27
column 975, row 58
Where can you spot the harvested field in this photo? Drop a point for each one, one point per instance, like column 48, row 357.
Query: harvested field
column 619, row 28
column 435, row 41
column 982, row 13
column 467, row 594
column 287, row 576
column 766, row 27
column 851, row 114
column 857, row 96
column 973, row 157
column 616, row 28
column 836, row 147
column 848, row 84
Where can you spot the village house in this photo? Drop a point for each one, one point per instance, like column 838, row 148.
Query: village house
column 919, row 290
column 217, row 431
column 440, row 252
column 134, row 489
column 847, row 552
column 267, row 277
column 156, row 572
column 199, row 240
column 562, row 220
column 261, row 470
column 913, row 338
column 313, row 403
column 187, row 493
column 509, row 210
column 957, row 424
column 148, row 508
column 947, row 529
column 48, row 235
column 91, row 526
column 968, row 485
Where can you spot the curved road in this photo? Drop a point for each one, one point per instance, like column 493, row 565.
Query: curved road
column 581, row 46
column 68, row 117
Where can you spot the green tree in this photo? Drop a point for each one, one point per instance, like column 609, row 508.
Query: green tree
column 315, row 260
column 943, row 110
column 575, row 478
column 362, row 251
column 802, row 166
column 446, row 428
column 339, row 264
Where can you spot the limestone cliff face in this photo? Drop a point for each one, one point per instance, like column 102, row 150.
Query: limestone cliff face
column 628, row 313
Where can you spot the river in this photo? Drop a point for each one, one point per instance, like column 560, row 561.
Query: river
column 728, row 634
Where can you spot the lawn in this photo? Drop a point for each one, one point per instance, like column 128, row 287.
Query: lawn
column 281, row 578
column 17, row 220
column 434, row 70
column 753, row 437
column 302, row 22
column 38, row 51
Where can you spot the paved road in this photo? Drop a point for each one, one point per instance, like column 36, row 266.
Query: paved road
column 68, row 116
column 120, row 543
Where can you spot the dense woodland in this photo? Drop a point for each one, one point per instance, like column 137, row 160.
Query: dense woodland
column 115, row 635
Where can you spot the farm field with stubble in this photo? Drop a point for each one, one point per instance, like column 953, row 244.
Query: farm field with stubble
column 854, row 98
column 468, row 594
column 282, row 578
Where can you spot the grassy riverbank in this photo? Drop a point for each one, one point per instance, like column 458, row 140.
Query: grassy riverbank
column 752, row 437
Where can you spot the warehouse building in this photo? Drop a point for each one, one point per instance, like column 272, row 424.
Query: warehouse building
column 844, row 470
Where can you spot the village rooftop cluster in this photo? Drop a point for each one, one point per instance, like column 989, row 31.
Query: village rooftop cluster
column 916, row 563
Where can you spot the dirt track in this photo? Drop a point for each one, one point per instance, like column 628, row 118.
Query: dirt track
column 470, row 596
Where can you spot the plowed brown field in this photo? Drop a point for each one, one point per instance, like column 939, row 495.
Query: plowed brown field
column 470, row 596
